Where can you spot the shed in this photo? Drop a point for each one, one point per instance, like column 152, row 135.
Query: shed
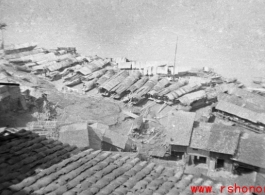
column 251, row 150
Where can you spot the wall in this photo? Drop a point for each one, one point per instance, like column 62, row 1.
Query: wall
column 228, row 164
column 198, row 152
column 177, row 148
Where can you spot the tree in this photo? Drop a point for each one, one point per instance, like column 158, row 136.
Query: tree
column 2, row 28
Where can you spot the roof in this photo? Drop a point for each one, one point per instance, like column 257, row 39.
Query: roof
column 87, row 172
column 192, row 97
column 251, row 150
column 200, row 136
column 240, row 102
column 179, row 127
column 24, row 153
column 20, row 46
column 115, row 139
column 248, row 96
column 158, row 151
column 224, row 139
column 237, row 110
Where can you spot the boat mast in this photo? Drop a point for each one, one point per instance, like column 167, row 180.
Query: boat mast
column 175, row 59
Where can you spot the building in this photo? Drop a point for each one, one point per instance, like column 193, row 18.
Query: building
column 244, row 117
column 113, row 141
column 178, row 132
column 223, row 142
column 10, row 95
column 32, row 164
column 214, row 145
column 75, row 134
column 251, row 152
column 198, row 149
column 101, row 138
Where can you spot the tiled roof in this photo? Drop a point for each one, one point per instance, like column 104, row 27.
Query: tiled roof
column 201, row 136
column 251, row 150
column 88, row 172
column 240, row 102
column 21, row 154
column 253, row 98
column 237, row 111
column 179, row 128
column 224, row 139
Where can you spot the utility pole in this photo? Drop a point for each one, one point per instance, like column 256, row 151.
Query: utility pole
column 176, row 50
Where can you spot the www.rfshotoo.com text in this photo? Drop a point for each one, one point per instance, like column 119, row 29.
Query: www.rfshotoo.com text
column 229, row 189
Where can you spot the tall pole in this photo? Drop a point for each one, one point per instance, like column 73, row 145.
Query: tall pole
column 176, row 50
column 2, row 43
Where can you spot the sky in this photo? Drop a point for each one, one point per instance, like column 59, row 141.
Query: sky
column 227, row 35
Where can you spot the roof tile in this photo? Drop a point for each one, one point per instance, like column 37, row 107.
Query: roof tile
column 87, row 172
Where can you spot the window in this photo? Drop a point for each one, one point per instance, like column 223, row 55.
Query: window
column 220, row 163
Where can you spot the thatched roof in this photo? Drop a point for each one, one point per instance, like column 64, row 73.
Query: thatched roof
column 179, row 127
column 251, row 150
column 223, row 139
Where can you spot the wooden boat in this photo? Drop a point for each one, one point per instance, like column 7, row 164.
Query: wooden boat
column 138, row 84
column 140, row 94
column 74, row 82
column 159, row 86
column 106, row 87
column 171, row 88
column 89, row 85
column 105, row 77
column 190, row 98
column 127, row 83
column 95, row 74
column 181, row 91
column 23, row 68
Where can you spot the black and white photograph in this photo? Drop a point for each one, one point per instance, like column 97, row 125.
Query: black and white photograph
column 132, row 97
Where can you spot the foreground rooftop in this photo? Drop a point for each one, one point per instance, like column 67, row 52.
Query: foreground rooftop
column 32, row 164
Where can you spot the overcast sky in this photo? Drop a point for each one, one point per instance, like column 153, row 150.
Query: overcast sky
column 217, row 33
